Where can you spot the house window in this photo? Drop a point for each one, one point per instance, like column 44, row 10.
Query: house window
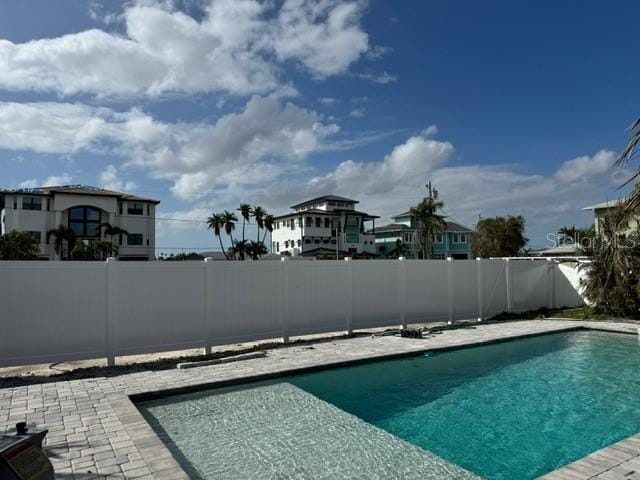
column 437, row 238
column 459, row 238
column 134, row 239
column 332, row 203
column 15, row 203
column 286, row 244
column 318, row 222
column 134, row 208
column 120, row 208
column 37, row 236
column 327, row 222
column 277, row 246
column 292, row 224
column 31, row 203
column 316, row 241
column 148, row 210
column 299, row 243
column 308, row 222
column 333, row 241
column 325, row 240
column 307, row 240
column 48, row 204
column 85, row 221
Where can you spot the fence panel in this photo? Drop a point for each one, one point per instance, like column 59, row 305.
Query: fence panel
column 317, row 296
column 160, row 306
column 531, row 284
column 375, row 293
column 247, row 300
column 494, row 287
column 52, row 312
column 465, row 289
column 427, row 291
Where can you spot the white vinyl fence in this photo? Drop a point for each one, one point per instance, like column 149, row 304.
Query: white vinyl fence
column 57, row 311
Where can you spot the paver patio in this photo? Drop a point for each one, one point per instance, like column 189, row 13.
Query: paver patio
column 95, row 431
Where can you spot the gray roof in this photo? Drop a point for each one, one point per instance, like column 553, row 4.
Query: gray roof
column 77, row 190
column 451, row 227
column 325, row 197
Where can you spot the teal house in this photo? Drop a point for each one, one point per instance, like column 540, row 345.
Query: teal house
column 454, row 241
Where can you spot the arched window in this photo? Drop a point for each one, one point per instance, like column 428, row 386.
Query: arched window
column 85, row 221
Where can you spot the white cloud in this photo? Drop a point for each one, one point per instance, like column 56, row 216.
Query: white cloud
column 328, row 100
column 382, row 78
column 233, row 49
column 430, row 131
column 53, row 180
column 377, row 52
column 109, row 179
column 267, row 138
column 357, row 113
column 324, row 35
column 585, row 167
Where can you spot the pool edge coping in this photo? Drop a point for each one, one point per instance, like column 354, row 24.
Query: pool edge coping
column 164, row 466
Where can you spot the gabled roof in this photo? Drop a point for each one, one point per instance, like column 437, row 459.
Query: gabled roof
column 78, row 190
column 325, row 197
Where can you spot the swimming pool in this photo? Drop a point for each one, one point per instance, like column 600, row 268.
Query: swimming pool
column 512, row 410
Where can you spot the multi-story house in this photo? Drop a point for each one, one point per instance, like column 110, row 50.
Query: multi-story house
column 84, row 210
column 602, row 210
column 454, row 241
column 323, row 226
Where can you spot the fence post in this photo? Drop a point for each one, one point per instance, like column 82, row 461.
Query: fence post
column 113, row 303
column 480, row 288
column 285, row 300
column 349, row 309
column 450, row 288
column 507, row 272
column 402, row 291
column 208, row 263
column 552, row 283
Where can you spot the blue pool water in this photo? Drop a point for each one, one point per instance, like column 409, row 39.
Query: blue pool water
column 509, row 411
column 512, row 410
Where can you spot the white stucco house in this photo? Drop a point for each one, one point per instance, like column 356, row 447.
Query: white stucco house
column 84, row 210
column 327, row 225
column 601, row 210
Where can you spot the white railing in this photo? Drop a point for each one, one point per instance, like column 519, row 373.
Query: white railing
column 57, row 311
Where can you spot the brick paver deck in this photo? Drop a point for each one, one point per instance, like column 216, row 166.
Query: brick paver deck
column 95, row 431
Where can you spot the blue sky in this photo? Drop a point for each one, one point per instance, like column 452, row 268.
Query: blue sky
column 509, row 107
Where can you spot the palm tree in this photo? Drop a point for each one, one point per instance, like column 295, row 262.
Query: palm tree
column 61, row 234
column 268, row 225
column 229, row 219
column 111, row 231
column 101, row 249
column 428, row 223
column 256, row 250
column 630, row 152
column 245, row 212
column 240, row 249
column 399, row 251
column 215, row 222
column 258, row 214
column 17, row 245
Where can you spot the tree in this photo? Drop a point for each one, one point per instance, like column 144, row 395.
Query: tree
column 268, row 226
column 215, row 222
column 103, row 249
column 229, row 219
column 258, row 214
column 612, row 280
column 629, row 153
column 111, row 231
column 499, row 237
column 17, row 245
column 399, row 251
column 428, row 223
column 61, row 235
column 245, row 212
column 239, row 249
column 256, row 250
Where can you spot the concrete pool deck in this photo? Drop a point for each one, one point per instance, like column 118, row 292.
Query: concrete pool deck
column 96, row 431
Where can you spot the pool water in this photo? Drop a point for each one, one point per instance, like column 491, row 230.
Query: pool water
column 512, row 410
